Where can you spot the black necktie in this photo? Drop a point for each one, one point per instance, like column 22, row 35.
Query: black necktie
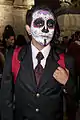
column 39, row 68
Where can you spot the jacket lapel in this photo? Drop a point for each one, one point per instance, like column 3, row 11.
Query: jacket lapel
column 27, row 73
column 51, row 66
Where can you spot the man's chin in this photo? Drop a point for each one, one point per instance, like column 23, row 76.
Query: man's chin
column 43, row 44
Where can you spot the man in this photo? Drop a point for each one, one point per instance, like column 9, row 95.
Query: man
column 8, row 38
column 38, row 96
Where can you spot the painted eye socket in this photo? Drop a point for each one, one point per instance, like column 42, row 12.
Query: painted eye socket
column 50, row 23
column 38, row 22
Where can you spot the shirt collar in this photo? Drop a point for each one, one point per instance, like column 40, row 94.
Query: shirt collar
column 45, row 51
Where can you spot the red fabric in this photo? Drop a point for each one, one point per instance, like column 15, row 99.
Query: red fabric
column 15, row 63
column 61, row 61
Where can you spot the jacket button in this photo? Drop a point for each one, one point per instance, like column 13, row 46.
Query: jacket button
column 37, row 110
column 64, row 90
column 37, row 95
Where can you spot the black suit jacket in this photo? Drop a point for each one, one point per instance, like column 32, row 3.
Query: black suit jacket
column 44, row 102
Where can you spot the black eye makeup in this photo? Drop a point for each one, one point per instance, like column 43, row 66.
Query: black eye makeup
column 39, row 22
column 50, row 23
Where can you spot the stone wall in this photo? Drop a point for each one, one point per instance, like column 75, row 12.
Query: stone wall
column 12, row 16
column 69, row 23
column 14, row 13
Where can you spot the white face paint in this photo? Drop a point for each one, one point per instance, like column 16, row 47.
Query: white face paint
column 42, row 26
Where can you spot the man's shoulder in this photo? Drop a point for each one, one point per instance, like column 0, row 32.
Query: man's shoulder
column 67, row 56
column 69, row 60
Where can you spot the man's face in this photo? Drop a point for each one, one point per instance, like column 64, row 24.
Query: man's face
column 42, row 27
column 10, row 41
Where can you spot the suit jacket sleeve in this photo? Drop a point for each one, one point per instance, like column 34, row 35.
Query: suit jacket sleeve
column 7, row 90
column 70, row 86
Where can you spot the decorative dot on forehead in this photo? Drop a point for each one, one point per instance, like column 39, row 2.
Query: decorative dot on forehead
column 42, row 12
column 45, row 12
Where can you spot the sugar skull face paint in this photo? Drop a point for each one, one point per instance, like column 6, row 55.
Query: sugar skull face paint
column 42, row 26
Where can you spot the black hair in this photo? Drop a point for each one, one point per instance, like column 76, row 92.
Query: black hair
column 20, row 41
column 8, row 31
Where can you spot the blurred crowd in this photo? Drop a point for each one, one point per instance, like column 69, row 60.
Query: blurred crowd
column 9, row 40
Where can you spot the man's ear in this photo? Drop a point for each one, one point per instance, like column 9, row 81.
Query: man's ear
column 28, row 29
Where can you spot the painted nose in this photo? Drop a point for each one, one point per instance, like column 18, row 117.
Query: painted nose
column 45, row 30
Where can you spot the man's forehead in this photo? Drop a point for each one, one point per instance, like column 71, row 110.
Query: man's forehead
column 43, row 14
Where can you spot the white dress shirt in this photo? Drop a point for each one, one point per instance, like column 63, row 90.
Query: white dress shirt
column 45, row 51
